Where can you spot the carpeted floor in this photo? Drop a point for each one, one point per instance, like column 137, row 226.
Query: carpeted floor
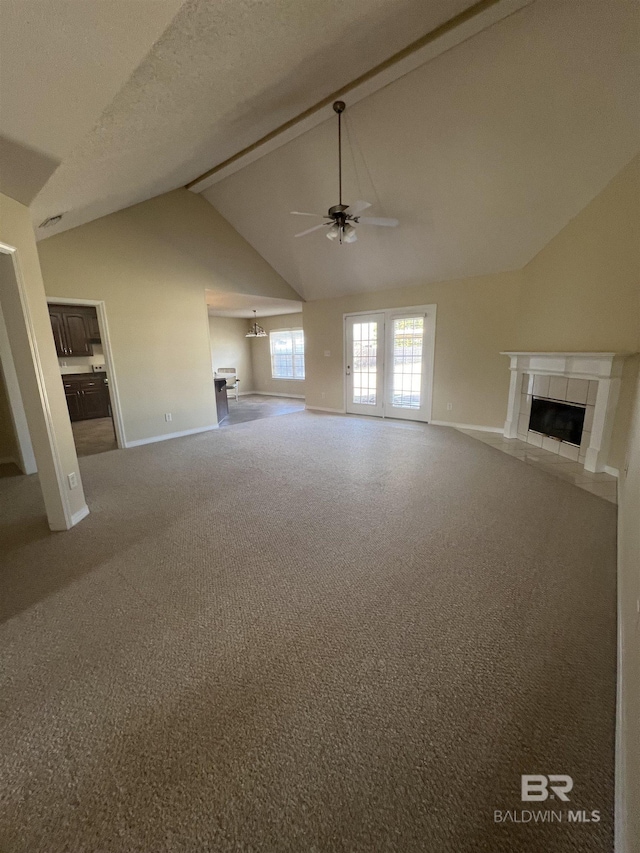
column 307, row 633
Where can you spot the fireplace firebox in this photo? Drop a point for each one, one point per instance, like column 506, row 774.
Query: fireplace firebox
column 559, row 420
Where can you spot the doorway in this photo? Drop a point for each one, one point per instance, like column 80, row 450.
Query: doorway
column 85, row 363
column 389, row 363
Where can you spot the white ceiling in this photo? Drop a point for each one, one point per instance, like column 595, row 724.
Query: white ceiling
column 221, row 75
column 243, row 305
column 484, row 154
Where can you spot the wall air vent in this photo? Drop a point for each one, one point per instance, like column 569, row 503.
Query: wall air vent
column 52, row 220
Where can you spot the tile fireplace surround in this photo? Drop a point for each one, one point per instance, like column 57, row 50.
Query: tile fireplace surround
column 589, row 379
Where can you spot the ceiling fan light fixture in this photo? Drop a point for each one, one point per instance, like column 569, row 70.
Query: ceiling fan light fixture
column 341, row 229
column 349, row 234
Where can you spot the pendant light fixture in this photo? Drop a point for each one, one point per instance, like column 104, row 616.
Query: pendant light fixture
column 255, row 331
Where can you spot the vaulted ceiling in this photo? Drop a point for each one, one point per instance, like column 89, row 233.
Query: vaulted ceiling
column 210, row 77
column 62, row 63
column 483, row 154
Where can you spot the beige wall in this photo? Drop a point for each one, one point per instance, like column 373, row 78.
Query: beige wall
column 581, row 293
column 475, row 319
column 231, row 348
column 36, row 365
column 629, row 635
column 261, row 358
column 8, row 443
column 151, row 264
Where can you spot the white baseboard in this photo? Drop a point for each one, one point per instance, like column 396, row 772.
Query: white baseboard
column 613, row 471
column 168, row 435
column 273, row 394
column 79, row 515
column 468, row 426
column 322, row 409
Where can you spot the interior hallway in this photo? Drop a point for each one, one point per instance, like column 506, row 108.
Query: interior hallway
column 347, row 652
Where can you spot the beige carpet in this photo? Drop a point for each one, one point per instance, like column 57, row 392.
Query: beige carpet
column 306, row 633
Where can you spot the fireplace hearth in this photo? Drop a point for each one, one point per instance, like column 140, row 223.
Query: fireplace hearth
column 565, row 402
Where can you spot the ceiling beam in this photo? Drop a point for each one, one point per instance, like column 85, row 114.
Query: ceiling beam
column 463, row 26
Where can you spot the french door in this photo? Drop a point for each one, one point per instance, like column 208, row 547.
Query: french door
column 365, row 364
column 389, row 363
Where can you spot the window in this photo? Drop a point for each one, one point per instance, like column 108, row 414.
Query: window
column 287, row 354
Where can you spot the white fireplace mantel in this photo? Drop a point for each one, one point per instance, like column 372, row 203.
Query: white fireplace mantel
column 605, row 367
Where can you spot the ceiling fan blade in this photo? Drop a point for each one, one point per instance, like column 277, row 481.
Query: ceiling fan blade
column 315, row 228
column 377, row 220
column 299, row 213
column 358, row 207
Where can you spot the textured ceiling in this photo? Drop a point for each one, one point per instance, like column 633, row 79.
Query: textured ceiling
column 222, row 75
column 61, row 63
column 484, row 154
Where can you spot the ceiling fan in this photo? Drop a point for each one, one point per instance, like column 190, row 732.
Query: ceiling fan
column 342, row 217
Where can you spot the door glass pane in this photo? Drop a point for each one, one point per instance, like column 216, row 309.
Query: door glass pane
column 408, row 335
column 365, row 352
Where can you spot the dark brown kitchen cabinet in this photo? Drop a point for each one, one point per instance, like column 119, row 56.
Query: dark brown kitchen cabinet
column 74, row 399
column 75, row 328
column 87, row 396
column 77, row 333
column 92, row 326
column 57, row 326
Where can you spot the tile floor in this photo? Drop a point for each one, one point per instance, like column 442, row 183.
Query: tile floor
column 94, row 436
column 254, row 407
column 603, row 485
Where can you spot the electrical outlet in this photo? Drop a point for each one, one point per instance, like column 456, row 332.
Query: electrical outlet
column 73, row 480
column 167, row 417
column 449, row 406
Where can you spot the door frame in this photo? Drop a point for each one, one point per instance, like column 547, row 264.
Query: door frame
column 429, row 312
column 54, row 488
column 27, row 460
column 105, row 339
